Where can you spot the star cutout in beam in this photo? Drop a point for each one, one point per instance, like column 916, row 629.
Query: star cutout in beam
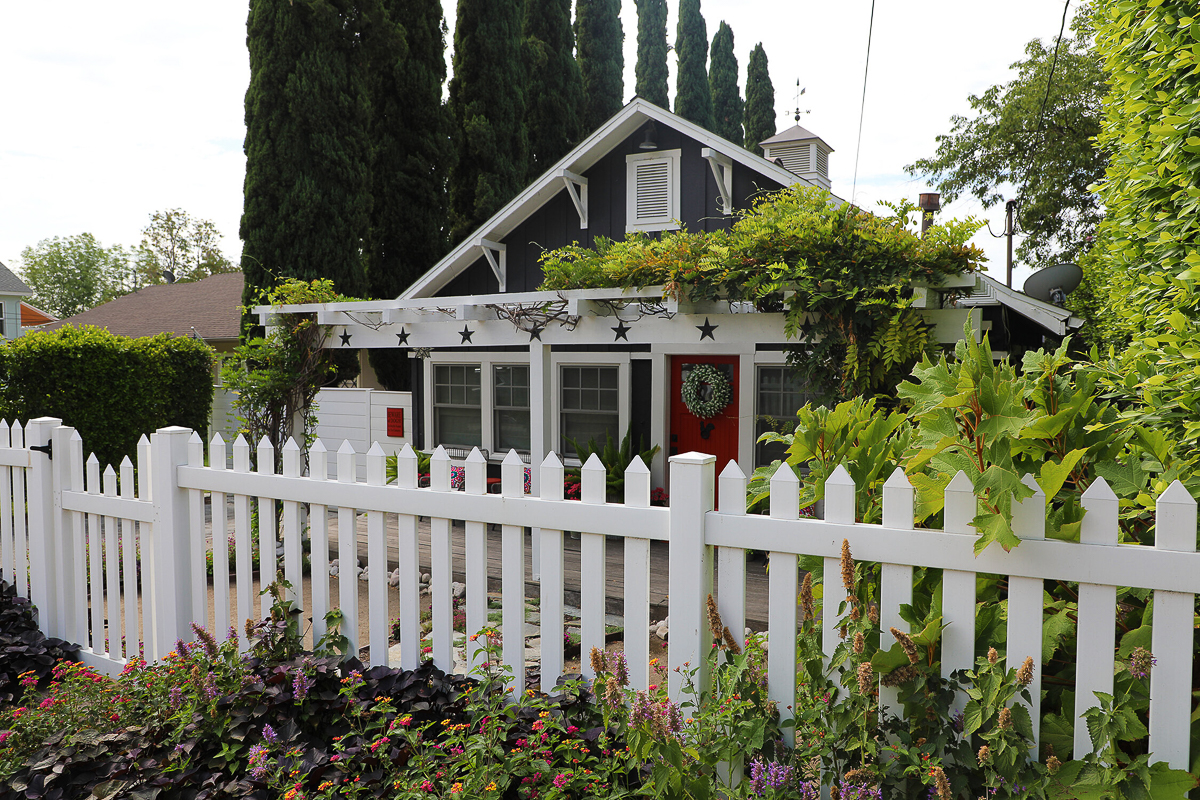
column 536, row 332
column 622, row 330
column 466, row 334
column 345, row 337
column 706, row 330
column 402, row 337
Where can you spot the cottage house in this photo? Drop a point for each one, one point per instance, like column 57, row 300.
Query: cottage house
column 12, row 290
column 504, row 366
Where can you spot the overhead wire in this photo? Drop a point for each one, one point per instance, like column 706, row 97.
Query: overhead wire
column 1045, row 99
column 863, row 107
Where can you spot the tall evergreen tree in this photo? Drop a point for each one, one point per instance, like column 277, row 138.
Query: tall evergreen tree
column 727, row 101
column 652, row 52
column 601, row 61
column 555, row 88
column 487, row 101
column 760, row 100
column 307, row 189
column 693, row 100
column 410, row 132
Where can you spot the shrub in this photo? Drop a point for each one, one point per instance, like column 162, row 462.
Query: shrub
column 112, row 389
column 26, row 654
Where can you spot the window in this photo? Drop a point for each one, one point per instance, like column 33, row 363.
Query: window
column 457, row 410
column 652, row 199
column 2, row 331
column 781, row 393
column 510, row 407
column 589, row 405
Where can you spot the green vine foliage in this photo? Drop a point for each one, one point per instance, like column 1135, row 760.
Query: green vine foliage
column 842, row 277
column 276, row 378
column 1151, row 193
column 112, row 389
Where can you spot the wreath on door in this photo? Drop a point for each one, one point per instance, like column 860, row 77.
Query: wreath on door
column 692, row 393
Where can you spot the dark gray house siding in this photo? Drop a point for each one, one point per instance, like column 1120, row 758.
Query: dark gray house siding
column 556, row 223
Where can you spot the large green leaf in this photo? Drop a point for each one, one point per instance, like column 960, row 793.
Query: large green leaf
column 1055, row 474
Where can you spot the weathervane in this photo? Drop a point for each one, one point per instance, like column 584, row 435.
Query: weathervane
column 799, row 93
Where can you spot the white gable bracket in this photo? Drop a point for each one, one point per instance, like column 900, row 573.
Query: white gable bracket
column 722, row 169
column 577, row 188
column 497, row 257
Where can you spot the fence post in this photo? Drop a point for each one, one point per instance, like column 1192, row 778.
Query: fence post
column 1097, row 614
column 896, row 580
column 693, row 479
column 1025, row 606
column 781, row 602
column 958, row 587
column 1172, row 636
column 171, row 558
column 43, row 532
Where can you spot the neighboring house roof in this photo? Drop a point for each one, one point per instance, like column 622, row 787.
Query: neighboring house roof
column 32, row 317
column 586, row 154
column 11, row 284
column 209, row 308
column 991, row 292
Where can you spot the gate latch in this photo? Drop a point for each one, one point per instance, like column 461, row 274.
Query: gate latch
column 47, row 448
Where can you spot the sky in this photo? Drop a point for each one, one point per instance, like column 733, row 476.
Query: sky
column 111, row 111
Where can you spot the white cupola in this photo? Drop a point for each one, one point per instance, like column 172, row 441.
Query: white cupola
column 801, row 151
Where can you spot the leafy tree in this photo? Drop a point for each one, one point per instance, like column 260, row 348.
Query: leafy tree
column 308, row 188
column 1046, row 158
column 555, row 87
column 693, row 99
column 72, row 274
column 652, row 51
column 728, row 106
column 601, row 60
column 410, row 135
column 487, row 101
column 275, row 378
column 176, row 244
column 760, row 100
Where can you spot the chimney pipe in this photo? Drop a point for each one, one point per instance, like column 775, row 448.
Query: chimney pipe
column 930, row 203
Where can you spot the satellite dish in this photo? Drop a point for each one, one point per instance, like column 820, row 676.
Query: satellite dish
column 1053, row 284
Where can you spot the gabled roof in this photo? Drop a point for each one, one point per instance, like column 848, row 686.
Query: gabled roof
column 209, row 308
column 991, row 292
column 621, row 126
column 795, row 133
column 11, row 284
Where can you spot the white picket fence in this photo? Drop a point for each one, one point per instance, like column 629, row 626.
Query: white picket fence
column 72, row 510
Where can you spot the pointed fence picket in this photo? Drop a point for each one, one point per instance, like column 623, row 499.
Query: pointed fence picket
column 89, row 525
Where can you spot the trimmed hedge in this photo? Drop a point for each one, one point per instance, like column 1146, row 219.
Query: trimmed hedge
column 112, row 389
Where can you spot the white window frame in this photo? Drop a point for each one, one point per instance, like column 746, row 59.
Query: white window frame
column 666, row 222
column 3, row 319
column 487, row 400
column 560, row 360
column 495, row 448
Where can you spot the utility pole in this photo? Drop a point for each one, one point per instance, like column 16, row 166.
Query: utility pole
column 1009, row 208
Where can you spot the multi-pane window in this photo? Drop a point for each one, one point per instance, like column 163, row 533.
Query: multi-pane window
column 510, row 407
column 457, row 410
column 590, row 407
column 781, row 393
column 2, row 330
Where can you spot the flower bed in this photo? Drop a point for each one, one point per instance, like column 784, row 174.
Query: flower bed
column 210, row 722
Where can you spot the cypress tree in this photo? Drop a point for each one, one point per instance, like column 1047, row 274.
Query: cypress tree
column 693, row 100
column 723, row 81
column 601, row 61
column 410, row 132
column 652, row 52
column 760, row 101
column 307, row 189
column 555, row 89
column 487, row 103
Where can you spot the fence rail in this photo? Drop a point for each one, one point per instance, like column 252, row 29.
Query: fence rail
column 116, row 562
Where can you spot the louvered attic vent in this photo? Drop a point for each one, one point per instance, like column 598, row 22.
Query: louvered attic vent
column 652, row 191
column 795, row 157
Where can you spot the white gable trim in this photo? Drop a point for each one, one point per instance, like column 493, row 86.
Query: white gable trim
column 587, row 153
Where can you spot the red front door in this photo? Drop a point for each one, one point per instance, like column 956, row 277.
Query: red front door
column 717, row 436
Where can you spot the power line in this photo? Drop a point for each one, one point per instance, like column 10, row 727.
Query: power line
column 1045, row 98
column 862, row 109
